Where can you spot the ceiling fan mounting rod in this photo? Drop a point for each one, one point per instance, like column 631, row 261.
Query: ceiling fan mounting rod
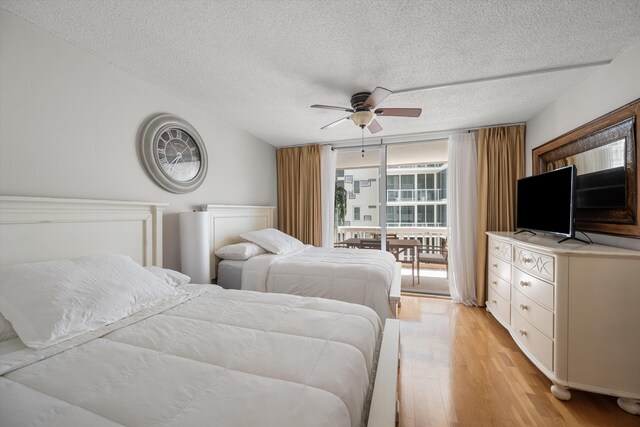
column 358, row 100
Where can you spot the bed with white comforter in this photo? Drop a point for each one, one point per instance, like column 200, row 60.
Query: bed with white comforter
column 100, row 340
column 207, row 356
column 360, row 276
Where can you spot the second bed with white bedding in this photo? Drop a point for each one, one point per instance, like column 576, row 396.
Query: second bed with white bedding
column 359, row 276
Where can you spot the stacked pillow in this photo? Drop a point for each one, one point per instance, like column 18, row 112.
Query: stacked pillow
column 260, row 242
column 240, row 251
column 48, row 302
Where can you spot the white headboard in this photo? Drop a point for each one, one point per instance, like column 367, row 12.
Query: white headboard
column 228, row 222
column 41, row 229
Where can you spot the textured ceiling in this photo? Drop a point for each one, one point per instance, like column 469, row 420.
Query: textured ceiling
column 260, row 64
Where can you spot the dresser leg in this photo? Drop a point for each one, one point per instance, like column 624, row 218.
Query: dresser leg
column 560, row 392
column 631, row 406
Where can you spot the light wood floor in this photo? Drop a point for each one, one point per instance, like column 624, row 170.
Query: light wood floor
column 461, row 368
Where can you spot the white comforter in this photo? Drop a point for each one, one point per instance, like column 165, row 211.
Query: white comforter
column 360, row 276
column 227, row 358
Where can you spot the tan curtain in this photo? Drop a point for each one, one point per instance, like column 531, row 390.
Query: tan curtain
column 500, row 165
column 299, row 200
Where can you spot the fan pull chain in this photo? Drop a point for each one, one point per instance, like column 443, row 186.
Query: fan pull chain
column 362, row 128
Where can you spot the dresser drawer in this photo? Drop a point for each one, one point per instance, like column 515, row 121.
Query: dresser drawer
column 535, row 289
column 534, row 313
column 500, row 249
column 535, row 342
column 500, row 308
column 500, row 267
column 534, row 263
column 499, row 285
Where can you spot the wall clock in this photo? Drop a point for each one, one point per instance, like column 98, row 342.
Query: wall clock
column 173, row 153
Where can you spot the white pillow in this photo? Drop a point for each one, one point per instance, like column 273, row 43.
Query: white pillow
column 170, row 277
column 49, row 302
column 240, row 251
column 273, row 240
column 6, row 329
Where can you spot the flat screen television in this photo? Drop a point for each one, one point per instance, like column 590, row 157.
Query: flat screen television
column 546, row 202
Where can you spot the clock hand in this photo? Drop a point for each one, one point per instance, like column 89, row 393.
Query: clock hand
column 174, row 162
column 176, row 150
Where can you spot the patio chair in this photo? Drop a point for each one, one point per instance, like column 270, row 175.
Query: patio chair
column 433, row 254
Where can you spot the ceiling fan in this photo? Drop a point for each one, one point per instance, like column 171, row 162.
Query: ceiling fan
column 361, row 105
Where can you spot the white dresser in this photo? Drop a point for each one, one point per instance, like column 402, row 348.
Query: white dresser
column 573, row 309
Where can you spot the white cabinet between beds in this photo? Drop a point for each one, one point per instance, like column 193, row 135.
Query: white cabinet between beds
column 573, row 309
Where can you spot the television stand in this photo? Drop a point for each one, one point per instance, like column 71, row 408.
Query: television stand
column 525, row 231
column 574, row 238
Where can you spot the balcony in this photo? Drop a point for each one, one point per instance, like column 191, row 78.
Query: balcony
column 416, row 195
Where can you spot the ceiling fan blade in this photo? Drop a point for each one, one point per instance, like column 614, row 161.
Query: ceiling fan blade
column 399, row 112
column 331, row 107
column 336, row 123
column 377, row 96
column 374, row 126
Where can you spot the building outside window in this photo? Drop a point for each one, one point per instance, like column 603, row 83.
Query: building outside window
column 407, row 185
column 416, row 195
column 393, row 185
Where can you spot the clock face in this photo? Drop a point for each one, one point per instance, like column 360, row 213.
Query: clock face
column 178, row 154
column 173, row 153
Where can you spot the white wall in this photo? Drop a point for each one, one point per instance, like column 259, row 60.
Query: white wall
column 607, row 89
column 69, row 123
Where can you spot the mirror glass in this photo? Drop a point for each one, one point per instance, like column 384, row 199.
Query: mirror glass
column 608, row 156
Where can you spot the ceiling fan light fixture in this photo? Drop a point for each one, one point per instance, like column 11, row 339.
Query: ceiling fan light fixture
column 362, row 118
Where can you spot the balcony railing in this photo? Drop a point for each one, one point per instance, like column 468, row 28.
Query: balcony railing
column 416, row 224
column 415, row 195
column 426, row 235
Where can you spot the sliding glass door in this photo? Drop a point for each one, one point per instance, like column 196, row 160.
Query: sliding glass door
column 397, row 190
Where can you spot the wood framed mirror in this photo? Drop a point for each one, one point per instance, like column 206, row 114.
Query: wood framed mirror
column 605, row 153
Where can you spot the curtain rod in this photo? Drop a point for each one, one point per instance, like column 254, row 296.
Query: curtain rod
column 354, row 147
column 413, row 138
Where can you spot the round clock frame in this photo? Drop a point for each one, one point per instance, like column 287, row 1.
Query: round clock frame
column 161, row 139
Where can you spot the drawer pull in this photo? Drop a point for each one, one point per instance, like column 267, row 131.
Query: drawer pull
column 524, row 283
column 494, row 283
column 494, row 301
column 496, row 248
column 527, row 260
column 495, row 265
column 522, row 332
column 523, row 306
